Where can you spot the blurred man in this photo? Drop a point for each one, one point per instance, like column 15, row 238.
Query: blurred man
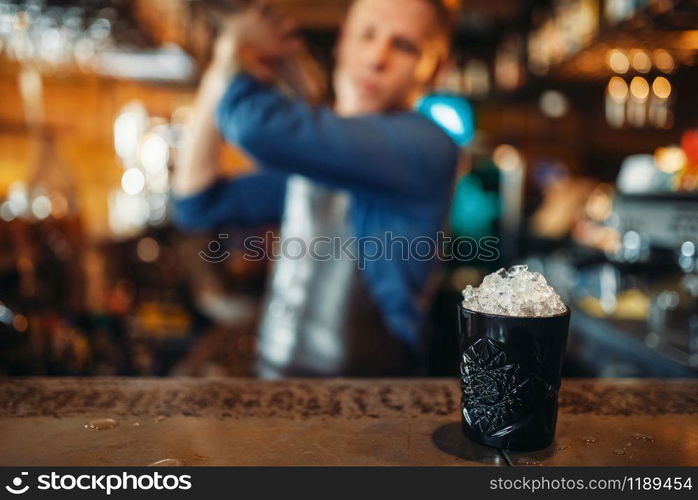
column 369, row 168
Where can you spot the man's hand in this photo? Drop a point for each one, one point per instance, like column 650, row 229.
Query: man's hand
column 257, row 41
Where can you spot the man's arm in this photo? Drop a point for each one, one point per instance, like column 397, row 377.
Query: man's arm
column 400, row 154
column 197, row 162
column 201, row 199
column 244, row 201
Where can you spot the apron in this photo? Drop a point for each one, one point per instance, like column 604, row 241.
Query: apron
column 318, row 316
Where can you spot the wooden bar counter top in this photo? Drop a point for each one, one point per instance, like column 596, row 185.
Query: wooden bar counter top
column 414, row 422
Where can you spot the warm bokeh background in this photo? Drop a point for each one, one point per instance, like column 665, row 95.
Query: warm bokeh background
column 582, row 158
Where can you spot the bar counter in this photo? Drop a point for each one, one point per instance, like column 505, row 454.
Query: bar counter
column 217, row 421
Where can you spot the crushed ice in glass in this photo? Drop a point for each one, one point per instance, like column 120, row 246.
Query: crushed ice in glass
column 514, row 292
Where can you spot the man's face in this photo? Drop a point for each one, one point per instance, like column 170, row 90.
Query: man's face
column 387, row 54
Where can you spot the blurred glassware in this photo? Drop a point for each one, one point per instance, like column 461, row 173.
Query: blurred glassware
column 617, row 61
column 663, row 60
column 98, row 35
column 145, row 146
column 129, row 127
column 476, row 78
column 508, row 66
column 639, row 174
column 619, row 10
column 553, row 104
column 673, row 319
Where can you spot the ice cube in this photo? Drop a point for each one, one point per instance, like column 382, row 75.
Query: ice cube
column 514, row 292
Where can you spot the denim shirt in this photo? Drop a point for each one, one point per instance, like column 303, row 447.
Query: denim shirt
column 397, row 167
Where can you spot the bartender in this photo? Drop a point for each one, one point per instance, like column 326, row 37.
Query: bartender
column 367, row 168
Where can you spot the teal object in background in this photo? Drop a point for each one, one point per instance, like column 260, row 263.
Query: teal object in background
column 475, row 207
column 452, row 113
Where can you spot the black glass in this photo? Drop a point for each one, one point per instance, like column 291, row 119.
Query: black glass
column 510, row 377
